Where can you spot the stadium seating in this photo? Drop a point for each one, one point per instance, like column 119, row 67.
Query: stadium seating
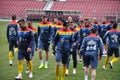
column 89, row 8
column 18, row 7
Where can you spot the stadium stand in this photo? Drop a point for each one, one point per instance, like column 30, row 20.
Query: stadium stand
column 89, row 8
column 18, row 7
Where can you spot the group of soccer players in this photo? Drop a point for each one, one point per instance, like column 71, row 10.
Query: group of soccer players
column 88, row 40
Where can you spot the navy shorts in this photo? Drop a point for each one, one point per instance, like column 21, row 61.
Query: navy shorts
column 44, row 45
column 60, row 56
column 91, row 59
column 12, row 44
column 112, row 51
column 24, row 54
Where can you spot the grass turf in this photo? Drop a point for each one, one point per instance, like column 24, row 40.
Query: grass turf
column 8, row 73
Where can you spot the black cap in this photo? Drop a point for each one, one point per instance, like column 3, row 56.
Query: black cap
column 66, row 23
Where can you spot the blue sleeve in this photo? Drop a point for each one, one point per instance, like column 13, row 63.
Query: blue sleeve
column 38, row 30
column 7, row 33
column 72, row 42
column 36, row 39
column 79, row 37
column 98, row 29
column 101, row 47
column 32, row 40
column 105, row 37
column 51, row 33
column 53, row 36
column 83, row 46
column 56, row 39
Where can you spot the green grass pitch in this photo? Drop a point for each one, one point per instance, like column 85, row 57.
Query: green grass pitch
column 8, row 73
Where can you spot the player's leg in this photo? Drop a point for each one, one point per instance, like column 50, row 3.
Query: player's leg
column 109, row 53
column 74, row 56
column 68, row 63
column 79, row 55
column 58, row 59
column 104, row 49
column 32, row 55
column 64, row 62
column 40, row 47
column 16, row 46
column 46, row 48
column 116, row 52
column 93, row 75
column 28, row 57
column 93, row 64
column 11, row 48
column 86, row 72
column 86, row 64
column 20, row 65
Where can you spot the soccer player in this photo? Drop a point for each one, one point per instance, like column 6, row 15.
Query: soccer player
column 112, row 42
column 57, row 25
column 102, row 29
column 45, row 31
column 73, row 50
column 25, row 46
column 12, row 37
column 90, row 47
column 70, row 19
column 80, row 25
column 63, row 40
column 95, row 24
column 34, row 30
column 82, row 33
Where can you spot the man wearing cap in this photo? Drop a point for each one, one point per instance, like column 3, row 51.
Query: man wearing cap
column 63, row 40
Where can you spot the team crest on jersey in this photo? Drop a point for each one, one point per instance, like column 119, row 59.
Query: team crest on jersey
column 91, row 42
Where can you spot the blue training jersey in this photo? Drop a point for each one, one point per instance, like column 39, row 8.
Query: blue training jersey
column 82, row 33
column 25, row 39
column 92, row 44
column 102, row 29
column 112, row 38
column 63, row 40
column 45, row 31
column 11, row 32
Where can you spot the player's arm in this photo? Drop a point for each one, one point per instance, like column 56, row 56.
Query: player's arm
column 55, row 43
column 39, row 30
column 83, row 46
column 36, row 39
column 105, row 36
column 51, row 32
column 32, row 40
column 7, row 33
column 79, row 37
column 101, row 48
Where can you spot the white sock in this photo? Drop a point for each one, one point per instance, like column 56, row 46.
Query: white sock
column 41, row 61
column 46, row 62
column 86, row 77
column 20, row 74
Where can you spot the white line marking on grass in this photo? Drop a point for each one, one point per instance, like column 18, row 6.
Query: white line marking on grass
column 41, row 78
